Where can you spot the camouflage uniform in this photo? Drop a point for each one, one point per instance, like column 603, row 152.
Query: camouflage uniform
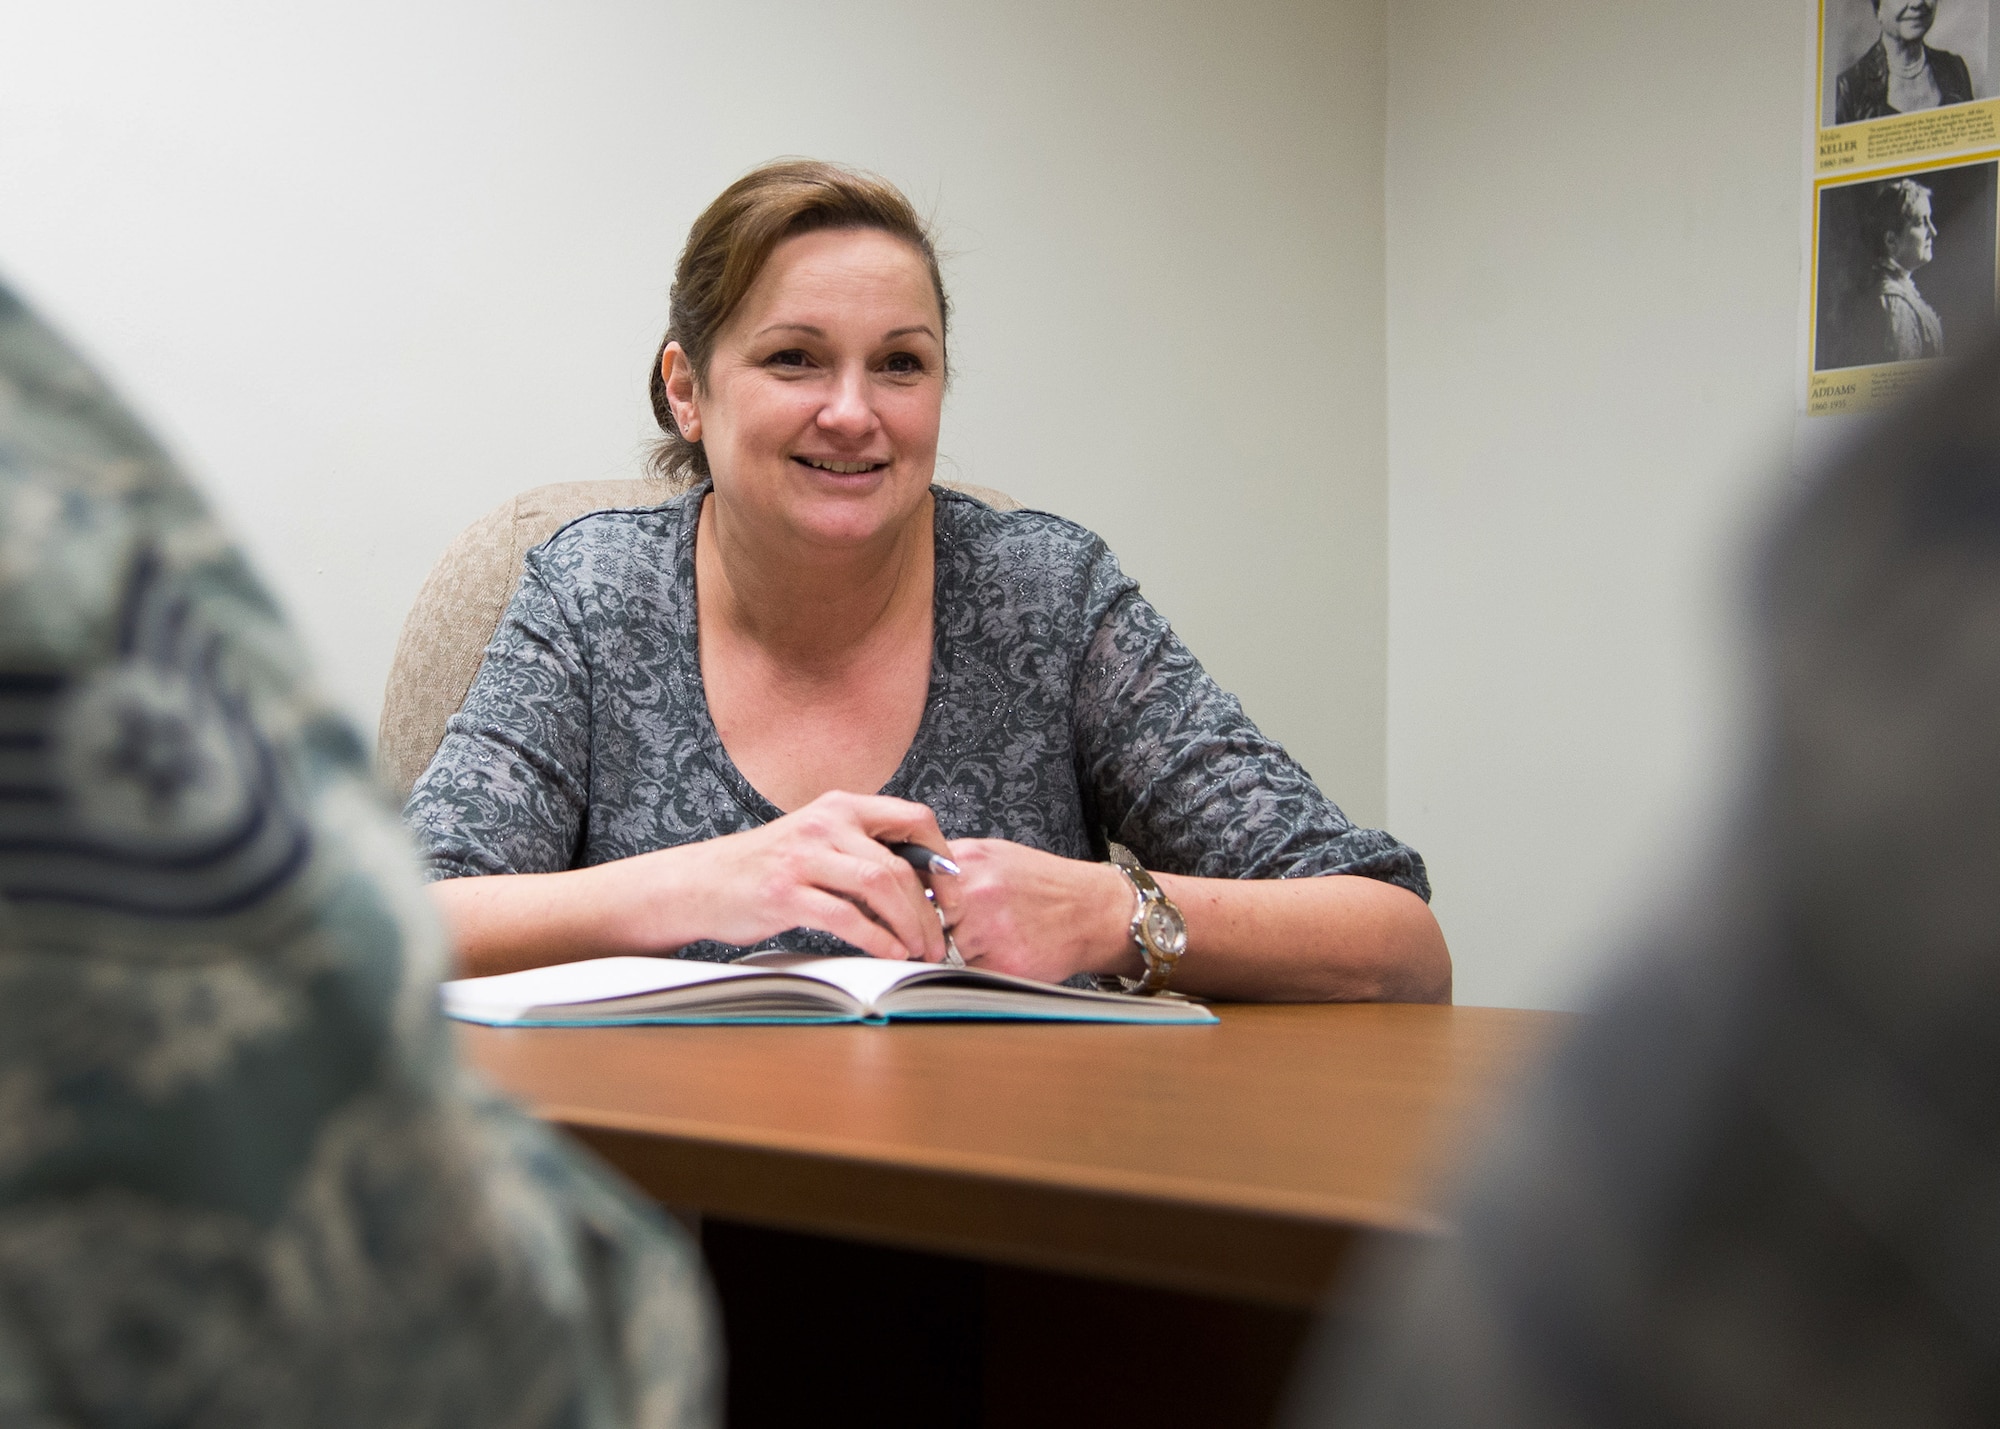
column 241, row 1179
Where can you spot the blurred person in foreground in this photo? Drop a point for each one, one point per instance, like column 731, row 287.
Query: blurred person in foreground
column 1762, row 1183
column 241, row 1180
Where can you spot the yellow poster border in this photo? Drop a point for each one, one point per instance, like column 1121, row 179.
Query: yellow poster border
column 1858, row 389
column 1866, row 143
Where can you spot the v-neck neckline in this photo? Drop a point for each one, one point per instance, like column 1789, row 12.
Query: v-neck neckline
column 745, row 793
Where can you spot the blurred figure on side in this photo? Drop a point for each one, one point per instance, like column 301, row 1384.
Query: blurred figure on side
column 242, row 1181
column 1762, row 1185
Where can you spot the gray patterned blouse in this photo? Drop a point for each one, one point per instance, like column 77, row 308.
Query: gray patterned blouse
column 1062, row 711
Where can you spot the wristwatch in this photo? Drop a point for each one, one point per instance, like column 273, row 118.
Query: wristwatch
column 1157, row 926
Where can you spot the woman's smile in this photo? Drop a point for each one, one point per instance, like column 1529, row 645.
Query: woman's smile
column 839, row 468
column 1910, row 21
column 819, row 414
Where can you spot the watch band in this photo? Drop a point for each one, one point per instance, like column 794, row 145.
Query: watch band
column 1157, row 925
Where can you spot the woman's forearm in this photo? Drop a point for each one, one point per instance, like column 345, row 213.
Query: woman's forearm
column 505, row 922
column 826, row 866
column 1341, row 938
column 1333, row 939
column 1336, row 939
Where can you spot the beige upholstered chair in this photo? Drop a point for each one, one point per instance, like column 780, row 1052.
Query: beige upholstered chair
column 460, row 604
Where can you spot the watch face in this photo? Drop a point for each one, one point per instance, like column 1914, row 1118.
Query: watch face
column 1166, row 930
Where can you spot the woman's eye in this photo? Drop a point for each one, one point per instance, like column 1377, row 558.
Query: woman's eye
column 904, row 364
column 790, row 357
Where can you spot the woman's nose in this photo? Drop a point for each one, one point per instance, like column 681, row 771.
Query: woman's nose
column 847, row 411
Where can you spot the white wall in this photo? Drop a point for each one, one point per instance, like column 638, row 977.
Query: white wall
column 373, row 267
column 1593, row 289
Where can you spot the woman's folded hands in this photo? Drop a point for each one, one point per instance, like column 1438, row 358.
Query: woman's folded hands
column 828, row 867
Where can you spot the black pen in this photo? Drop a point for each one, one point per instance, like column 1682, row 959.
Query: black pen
column 923, row 860
column 928, row 861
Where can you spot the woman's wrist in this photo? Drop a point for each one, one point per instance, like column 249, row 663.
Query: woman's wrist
column 1110, row 904
column 659, row 901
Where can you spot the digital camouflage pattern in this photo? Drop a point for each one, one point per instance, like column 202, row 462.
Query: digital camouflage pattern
column 241, row 1179
column 1062, row 709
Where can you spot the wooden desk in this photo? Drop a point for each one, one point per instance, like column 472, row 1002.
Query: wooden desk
column 1234, row 1161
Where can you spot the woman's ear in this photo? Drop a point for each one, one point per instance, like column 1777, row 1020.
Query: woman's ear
column 678, row 375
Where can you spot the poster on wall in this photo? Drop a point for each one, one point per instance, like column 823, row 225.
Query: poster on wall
column 1904, row 78
column 1903, row 196
column 1904, row 270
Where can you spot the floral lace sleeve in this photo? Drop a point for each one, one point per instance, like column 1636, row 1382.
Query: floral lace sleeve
column 509, row 789
column 1181, row 775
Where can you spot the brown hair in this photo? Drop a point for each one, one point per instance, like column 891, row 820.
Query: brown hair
column 728, row 247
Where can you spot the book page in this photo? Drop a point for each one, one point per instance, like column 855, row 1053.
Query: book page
column 864, row 979
column 937, row 991
column 593, row 980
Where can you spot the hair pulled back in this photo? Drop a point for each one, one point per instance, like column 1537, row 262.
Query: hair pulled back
column 727, row 248
column 1888, row 209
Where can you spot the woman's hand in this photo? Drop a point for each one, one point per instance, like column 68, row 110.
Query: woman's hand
column 823, row 866
column 1341, row 937
column 1015, row 909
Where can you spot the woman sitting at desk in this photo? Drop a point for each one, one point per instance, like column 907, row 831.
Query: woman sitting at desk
column 656, row 753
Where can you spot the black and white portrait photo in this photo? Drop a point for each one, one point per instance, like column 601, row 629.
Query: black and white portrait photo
column 1905, row 267
column 1886, row 57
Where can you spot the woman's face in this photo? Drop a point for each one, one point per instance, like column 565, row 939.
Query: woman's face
column 1912, row 244
column 824, row 389
column 1908, row 20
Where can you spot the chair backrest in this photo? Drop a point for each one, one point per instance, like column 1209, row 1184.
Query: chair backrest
column 459, row 607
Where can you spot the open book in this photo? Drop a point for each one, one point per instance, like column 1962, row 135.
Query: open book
column 783, row 987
